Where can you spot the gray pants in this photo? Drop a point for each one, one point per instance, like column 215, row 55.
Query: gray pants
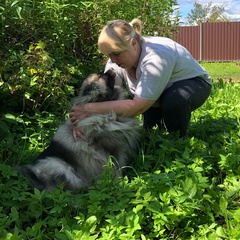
column 176, row 104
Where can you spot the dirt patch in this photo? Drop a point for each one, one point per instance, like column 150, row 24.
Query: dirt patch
column 233, row 79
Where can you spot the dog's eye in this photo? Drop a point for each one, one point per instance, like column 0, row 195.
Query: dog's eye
column 88, row 89
column 93, row 88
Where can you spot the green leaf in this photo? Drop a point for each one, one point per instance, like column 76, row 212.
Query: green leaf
column 14, row 3
column 236, row 215
column 221, row 232
column 154, row 206
column 223, row 205
column 189, row 187
column 87, row 228
column 10, row 116
column 14, row 213
column 19, row 9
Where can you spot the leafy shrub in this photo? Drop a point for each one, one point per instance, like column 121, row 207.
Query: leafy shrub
column 37, row 83
column 50, row 46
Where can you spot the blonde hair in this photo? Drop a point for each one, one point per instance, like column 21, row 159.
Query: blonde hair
column 116, row 35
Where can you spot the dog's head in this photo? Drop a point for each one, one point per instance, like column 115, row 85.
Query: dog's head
column 98, row 88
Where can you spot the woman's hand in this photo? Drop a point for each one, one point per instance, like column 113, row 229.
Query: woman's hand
column 78, row 134
column 78, row 113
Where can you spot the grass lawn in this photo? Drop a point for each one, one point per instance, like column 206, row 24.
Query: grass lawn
column 224, row 70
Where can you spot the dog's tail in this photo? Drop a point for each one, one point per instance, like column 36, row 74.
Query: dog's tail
column 35, row 181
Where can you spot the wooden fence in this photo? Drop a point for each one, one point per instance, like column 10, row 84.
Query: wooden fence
column 211, row 42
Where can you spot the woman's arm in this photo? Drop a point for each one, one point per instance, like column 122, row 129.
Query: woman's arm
column 132, row 107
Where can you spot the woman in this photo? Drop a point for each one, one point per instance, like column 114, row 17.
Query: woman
column 166, row 82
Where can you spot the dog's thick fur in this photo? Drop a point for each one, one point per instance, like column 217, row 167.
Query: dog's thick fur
column 77, row 164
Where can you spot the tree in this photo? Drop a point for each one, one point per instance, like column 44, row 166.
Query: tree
column 207, row 13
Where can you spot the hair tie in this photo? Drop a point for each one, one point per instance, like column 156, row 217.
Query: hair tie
column 131, row 24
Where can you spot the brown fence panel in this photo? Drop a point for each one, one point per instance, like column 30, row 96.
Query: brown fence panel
column 189, row 37
column 221, row 41
column 212, row 42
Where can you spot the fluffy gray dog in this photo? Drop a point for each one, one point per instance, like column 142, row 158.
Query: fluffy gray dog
column 78, row 164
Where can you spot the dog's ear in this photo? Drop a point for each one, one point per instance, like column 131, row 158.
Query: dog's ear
column 110, row 80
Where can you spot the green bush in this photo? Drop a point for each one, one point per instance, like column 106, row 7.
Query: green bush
column 34, row 81
column 50, row 46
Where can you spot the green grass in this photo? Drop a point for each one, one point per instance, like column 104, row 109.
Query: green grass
column 177, row 189
column 224, row 70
